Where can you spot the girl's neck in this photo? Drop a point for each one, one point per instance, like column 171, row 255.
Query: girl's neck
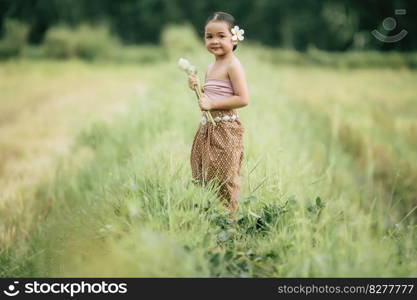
column 227, row 56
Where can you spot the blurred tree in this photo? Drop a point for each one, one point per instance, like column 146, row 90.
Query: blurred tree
column 331, row 25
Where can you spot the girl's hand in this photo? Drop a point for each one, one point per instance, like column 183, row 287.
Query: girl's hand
column 192, row 80
column 205, row 103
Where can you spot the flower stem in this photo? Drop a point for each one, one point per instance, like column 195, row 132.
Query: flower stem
column 197, row 90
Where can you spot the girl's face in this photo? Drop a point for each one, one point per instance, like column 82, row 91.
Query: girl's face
column 218, row 38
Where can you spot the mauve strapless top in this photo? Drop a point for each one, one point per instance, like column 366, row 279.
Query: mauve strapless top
column 218, row 89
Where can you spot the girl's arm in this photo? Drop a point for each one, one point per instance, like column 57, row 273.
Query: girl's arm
column 241, row 96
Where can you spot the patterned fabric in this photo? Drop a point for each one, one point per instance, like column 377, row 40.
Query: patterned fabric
column 217, row 151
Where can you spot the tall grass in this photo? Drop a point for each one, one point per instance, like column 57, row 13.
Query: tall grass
column 43, row 106
column 308, row 207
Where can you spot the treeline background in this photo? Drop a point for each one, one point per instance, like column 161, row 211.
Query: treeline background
column 336, row 25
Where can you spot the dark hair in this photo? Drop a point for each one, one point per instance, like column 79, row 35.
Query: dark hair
column 225, row 17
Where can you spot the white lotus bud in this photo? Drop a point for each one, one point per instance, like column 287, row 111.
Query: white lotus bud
column 184, row 64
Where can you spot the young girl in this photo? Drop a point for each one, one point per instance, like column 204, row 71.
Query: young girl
column 217, row 151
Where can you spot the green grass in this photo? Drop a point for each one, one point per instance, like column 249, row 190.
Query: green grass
column 313, row 203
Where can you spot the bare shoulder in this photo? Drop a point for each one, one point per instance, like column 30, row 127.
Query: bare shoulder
column 235, row 68
column 234, row 65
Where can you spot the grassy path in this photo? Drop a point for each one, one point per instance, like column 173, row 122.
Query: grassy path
column 43, row 106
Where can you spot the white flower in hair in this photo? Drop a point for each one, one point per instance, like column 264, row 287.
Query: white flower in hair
column 237, row 33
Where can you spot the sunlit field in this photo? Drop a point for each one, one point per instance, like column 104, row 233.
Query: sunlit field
column 96, row 180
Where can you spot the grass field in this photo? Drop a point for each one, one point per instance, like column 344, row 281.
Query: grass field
column 95, row 169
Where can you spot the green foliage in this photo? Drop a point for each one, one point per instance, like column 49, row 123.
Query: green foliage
column 84, row 41
column 347, row 60
column 59, row 42
column 14, row 39
column 180, row 41
column 336, row 25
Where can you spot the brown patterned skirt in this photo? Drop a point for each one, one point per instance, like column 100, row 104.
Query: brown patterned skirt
column 217, row 153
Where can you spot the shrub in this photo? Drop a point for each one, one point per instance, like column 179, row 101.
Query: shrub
column 59, row 42
column 84, row 41
column 95, row 42
column 14, row 40
column 180, row 40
